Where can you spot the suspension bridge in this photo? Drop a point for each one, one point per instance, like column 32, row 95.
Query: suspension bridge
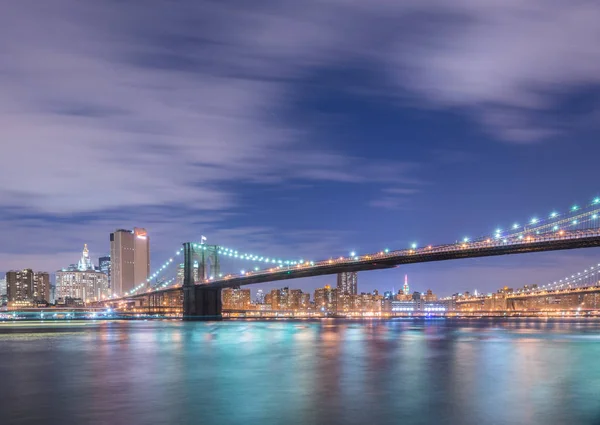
column 196, row 291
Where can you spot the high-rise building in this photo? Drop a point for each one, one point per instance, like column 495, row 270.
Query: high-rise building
column 347, row 283
column 82, row 281
column 104, row 266
column 130, row 259
column 274, row 298
column 25, row 285
column 41, row 287
column 260, row 297
column 326, row 299
column 19, row 285
column 405, row 288
column 3, row 286
column 305, row 301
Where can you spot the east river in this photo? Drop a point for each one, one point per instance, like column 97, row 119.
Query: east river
column 296, row 372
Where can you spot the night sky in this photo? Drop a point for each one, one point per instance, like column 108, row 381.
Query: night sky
column 298, row 129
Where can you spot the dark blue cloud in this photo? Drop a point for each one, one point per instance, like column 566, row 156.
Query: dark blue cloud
column 296, row 129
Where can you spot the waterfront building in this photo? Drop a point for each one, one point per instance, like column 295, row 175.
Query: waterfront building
column 27, row 285
column 130, row 259
column 429, row 296
column 3, row 286
column 236, row 298
column 326, row 299
column 82, row 281
column 347, row 283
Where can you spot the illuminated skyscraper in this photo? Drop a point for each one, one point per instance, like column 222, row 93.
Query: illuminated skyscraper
column 347, row 283
column 406, row 289
column 260, row 297
column 130, row 259
column 82, row 281
column 104, row 266
column 85, row 262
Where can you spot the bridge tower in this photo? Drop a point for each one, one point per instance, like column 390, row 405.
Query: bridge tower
column 200, row 302
column 208, row 264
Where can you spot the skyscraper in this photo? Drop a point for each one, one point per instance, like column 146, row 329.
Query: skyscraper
column 19, row 285
column 41, row 287
column 260, row 297
column 25, row 285
column 406, row 289
column 130, row 259
column 104, row 266
column 85, row 262
column 82, row 281
column 347, row 283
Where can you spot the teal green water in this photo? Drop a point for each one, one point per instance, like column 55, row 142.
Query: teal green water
column 323, row 372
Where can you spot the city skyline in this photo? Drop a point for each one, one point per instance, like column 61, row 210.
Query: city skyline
column 299, row 212
column 310, row 143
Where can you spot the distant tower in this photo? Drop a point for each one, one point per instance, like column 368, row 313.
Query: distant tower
column 406, row 289
column 347, row 283
column 104, row 266
column 85, row 263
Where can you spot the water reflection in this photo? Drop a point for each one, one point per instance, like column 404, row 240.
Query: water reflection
column 325, row 372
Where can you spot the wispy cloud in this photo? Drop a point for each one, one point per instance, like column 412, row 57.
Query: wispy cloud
column 110, row 106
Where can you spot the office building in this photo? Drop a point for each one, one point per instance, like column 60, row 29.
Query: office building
column 130, row 259
column 25, row 285
column 274, row 299
column 88, row 285
column 3, row 286
column 104, row 266
column 347, row 283
column 82, row 281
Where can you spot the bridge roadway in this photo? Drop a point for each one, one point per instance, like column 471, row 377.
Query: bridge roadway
column 554, row 292
column 562, row 240
column 382, row 260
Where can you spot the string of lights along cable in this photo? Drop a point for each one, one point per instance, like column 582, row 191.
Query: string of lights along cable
column 555, row 223
column 589, row 277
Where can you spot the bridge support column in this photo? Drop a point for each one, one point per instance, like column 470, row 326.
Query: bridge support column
column 199, row 302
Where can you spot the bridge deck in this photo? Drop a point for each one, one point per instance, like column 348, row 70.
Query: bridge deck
column 382, row 260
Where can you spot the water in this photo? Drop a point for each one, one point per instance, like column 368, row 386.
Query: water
column 323, row 372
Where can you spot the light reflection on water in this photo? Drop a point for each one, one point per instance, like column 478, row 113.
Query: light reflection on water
column 322, row 372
